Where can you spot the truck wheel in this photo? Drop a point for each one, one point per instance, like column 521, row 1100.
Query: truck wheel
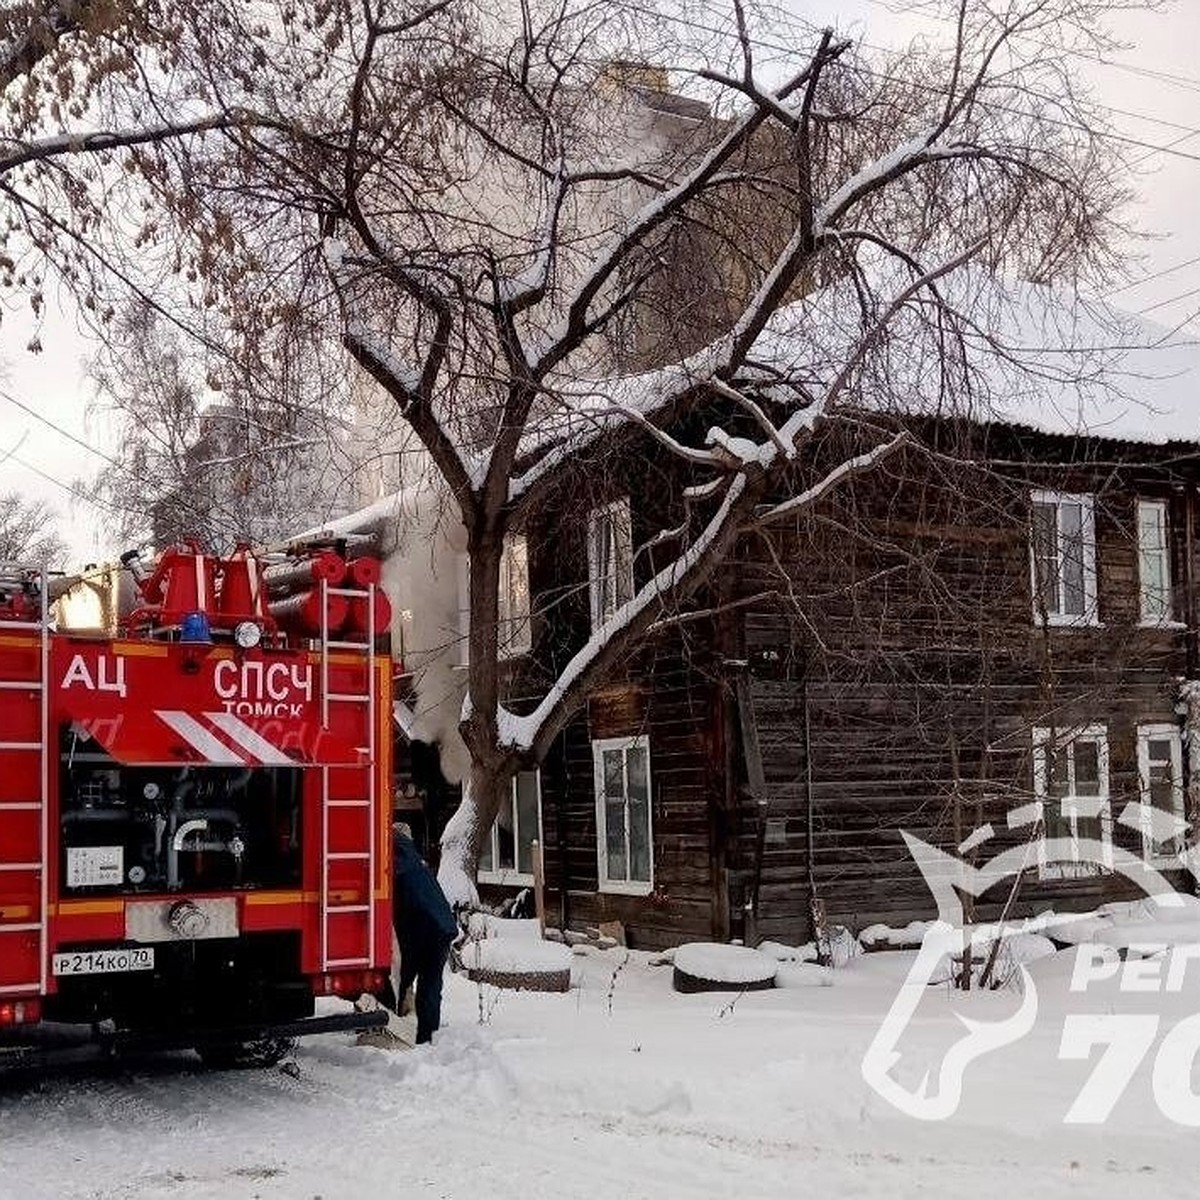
column 261, row 1053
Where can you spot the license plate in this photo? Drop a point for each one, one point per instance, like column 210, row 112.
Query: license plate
column 104, row 962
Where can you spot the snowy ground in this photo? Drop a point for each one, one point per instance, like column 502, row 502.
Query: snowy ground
column 554, row 1096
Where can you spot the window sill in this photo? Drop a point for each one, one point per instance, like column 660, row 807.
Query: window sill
column 505, row 878
column 1054, row 622
column 1166, row 625
column 625, row 889
column 1072, row 872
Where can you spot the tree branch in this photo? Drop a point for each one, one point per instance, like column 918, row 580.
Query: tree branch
column 41, row 149
column 860, row 464
column 406, row 387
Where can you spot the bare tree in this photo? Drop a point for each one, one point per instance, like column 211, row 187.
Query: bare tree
column 493, row 218
column 105, row 105
column 27, row 531
column 902, row 184
column 242, row 463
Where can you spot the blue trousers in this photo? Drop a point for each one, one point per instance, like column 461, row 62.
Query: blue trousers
column 425, row 965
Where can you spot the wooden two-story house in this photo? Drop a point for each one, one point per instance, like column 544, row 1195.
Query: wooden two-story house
column 1001, row 616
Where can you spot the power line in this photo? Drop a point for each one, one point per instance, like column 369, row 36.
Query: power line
column 37, row 416
column 1106, row 135
column 1191, row 262
column 1173, row 300
column 70, row 489
column 1188, row 82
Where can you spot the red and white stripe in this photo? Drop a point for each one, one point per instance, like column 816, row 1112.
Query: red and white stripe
column 240, row 745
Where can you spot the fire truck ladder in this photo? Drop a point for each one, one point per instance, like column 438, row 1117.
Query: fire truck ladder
column 10, row 750
column 369, row 855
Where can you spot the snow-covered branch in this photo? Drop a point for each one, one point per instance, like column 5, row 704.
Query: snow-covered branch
column 611, row 640
column 650, row 217
column 19, row 153
column 859, row 464
column 748, row 404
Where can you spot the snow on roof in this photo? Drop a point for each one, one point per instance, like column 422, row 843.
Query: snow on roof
column 1035, row 356
column 1021, row 354
column 1148, row 389
column 1025, row 355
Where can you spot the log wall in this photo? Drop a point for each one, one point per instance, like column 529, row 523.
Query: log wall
column 894, row 669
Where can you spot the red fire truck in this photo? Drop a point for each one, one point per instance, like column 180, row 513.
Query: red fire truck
column 195, row 804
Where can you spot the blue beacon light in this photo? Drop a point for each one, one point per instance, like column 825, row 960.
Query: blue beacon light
column 195, row 628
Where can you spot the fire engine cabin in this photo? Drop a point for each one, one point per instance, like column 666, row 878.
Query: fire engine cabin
column 194, row 811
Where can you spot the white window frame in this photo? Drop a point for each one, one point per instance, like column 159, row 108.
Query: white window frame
column 1163, row 731
column 1155, row 619
column 624, row 522
column 1091, row 611
column 1041, row 740
column 462, row 568
column 511, row 875
column 516, row 632
column 625, row 887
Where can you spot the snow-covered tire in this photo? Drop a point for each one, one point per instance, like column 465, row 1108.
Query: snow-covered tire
column 245, row 1056
column 712, row 967
column 518, row 964
column 524, row 981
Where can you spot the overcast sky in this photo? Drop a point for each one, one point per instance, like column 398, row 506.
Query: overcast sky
column 1158, row 110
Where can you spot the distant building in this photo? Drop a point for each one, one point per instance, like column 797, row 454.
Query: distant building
column 259, row 478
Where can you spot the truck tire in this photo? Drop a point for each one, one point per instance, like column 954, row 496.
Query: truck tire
column 244, row 1056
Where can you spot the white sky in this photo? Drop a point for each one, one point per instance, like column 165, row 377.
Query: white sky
column 1167, row 113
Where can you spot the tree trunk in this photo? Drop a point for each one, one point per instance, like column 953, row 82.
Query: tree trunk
column 484, row 791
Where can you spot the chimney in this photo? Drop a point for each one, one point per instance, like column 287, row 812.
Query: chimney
column 624, row 73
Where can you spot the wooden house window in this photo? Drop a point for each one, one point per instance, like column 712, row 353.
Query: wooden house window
column 507, row 855
column 1063, row 558
column 515, row 633
column 1070, row 778
column 1154, row 562
column 1160, row 784
column 624, row 827
column 610, row 559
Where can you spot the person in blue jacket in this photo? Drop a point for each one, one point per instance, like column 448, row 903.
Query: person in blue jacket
column 425, row 930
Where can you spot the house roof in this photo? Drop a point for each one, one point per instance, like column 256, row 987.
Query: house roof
column 1031, row 356
column 1123, row 377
